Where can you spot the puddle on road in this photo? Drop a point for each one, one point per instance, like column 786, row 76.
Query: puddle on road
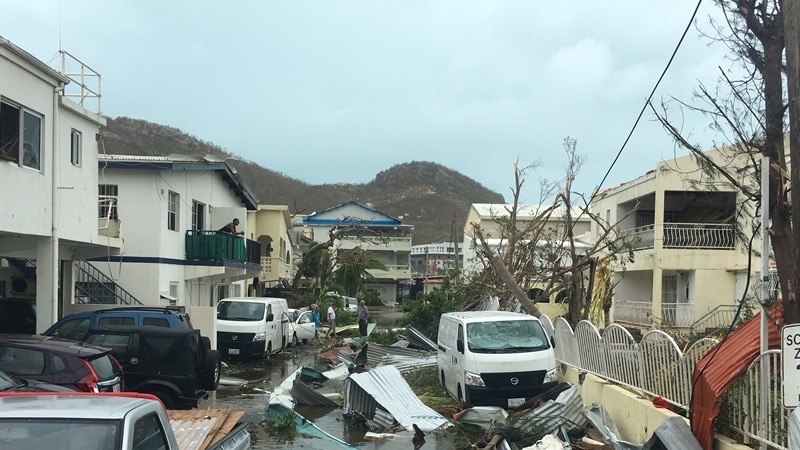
column 267, row 374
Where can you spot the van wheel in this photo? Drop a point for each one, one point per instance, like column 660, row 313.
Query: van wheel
column 441, row 379
column 462, row 400
column 268, row 354
column 283, row 343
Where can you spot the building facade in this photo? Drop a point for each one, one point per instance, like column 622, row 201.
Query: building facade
column 385, row 238
column 48, row 163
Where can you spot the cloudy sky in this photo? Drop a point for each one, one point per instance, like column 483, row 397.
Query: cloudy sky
column 337, row 91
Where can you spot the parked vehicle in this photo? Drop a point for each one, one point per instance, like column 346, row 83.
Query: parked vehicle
column 302, row 326
column 75, row 326
column 176, row 365
column 75, row 365
column 35, row 421
column 11, row 383
column 348, row 303
column 252, row 326
column 494, row 358
column 18, row 315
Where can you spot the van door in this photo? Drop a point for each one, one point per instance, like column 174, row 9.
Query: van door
column 459, row 350
column 270, row 329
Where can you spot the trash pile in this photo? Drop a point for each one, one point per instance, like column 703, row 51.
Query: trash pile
column 377, row 395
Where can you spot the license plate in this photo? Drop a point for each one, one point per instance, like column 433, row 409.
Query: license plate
column 514, row 402
column 233, row 351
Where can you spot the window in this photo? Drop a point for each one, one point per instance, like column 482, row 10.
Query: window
column 108, row 199
column 155, row 322
column 198, row 216
column 116, row 321
column 22, row 361
column 148, row 435
column 16, row 121
column 75, row 147
column 172, row 211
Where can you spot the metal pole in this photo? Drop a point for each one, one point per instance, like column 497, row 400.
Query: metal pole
column 763, row 403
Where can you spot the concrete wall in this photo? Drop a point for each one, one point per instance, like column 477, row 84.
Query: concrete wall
column 635, row 417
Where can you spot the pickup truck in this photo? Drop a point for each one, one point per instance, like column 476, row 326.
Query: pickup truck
column 113, row 421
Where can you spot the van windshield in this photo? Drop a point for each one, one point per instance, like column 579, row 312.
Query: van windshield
column 512, row 336
column 242, row 311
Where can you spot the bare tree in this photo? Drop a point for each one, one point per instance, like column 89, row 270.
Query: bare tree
column 752, row 112
column 542, row 251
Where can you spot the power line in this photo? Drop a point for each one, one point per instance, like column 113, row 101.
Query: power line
column 646, row 103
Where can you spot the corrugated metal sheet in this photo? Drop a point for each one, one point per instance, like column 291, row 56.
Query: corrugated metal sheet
column 303, row 394
column 407, row 364
column 720, row 367
column 385, row 386
column 673, row 433
column 415, row 337
column 565, row 410
column 381, row 422
column 190, row 434
column 376, row 353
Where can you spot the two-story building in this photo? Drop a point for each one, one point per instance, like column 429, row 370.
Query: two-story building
column 434, row 260
column 169, row 211
column 688, row 260
column 386, row 239
column 274, row 235
column 48, row 165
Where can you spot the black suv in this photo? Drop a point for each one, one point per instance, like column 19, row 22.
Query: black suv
column 176, row 365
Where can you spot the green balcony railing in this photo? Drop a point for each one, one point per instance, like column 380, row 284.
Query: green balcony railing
column 214, row 246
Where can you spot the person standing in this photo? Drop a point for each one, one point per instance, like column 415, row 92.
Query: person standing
column 316, row 317
column 363, row 316
column 332, row 319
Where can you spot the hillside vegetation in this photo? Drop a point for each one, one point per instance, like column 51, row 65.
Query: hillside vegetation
column 427, row 195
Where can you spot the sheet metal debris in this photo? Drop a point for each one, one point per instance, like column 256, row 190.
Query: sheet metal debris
column 419, row 340
column 599, row 417
column 303, row 394
column 385, row 386
column 673, row 434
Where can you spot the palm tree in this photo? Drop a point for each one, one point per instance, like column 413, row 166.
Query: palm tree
column 353, row 270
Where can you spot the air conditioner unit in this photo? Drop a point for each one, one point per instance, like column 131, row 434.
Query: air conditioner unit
column 22, row 287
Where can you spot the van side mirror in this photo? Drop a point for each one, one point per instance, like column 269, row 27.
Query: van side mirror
column 270, row 317
column 460, row 346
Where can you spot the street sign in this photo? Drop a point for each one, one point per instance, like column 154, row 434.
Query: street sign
column 790, row 356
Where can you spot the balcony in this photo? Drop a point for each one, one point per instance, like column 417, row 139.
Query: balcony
column 684, row 236
column 274, row 269
column 213, row 246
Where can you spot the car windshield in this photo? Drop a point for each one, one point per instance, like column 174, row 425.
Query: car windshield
column 243, row 311
column 37, row 434
column 9, row 382
column 508, row 336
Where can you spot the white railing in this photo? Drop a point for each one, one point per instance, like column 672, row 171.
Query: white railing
column 641, row 313
column 684, row 235
column 107, row 215
column 657, row 367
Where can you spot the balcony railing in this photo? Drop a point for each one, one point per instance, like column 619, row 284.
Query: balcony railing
column 641, row 313
column 214, row 246
column 685, row 235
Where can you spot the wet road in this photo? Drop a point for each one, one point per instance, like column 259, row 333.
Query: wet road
column 263, row 376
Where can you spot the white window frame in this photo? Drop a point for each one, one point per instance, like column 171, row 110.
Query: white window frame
column 173, row 210
column 198, row 215
column 75, row 147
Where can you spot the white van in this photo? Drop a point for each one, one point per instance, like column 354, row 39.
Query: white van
column 348, row 303
column 252, row 326
column 493, row 358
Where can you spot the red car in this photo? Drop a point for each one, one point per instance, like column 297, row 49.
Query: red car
column 72, row 364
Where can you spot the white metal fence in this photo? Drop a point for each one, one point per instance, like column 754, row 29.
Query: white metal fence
column 656, row 366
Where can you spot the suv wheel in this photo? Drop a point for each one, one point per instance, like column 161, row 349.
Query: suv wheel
column 166, row 399
column 294, row 340
column 211, row 369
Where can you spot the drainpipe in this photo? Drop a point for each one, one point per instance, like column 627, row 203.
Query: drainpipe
column 53, row 306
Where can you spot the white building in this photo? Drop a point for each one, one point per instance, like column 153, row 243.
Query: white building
column 689, row 262
column 168, row 210
column 384, row 237
column 48, row 164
